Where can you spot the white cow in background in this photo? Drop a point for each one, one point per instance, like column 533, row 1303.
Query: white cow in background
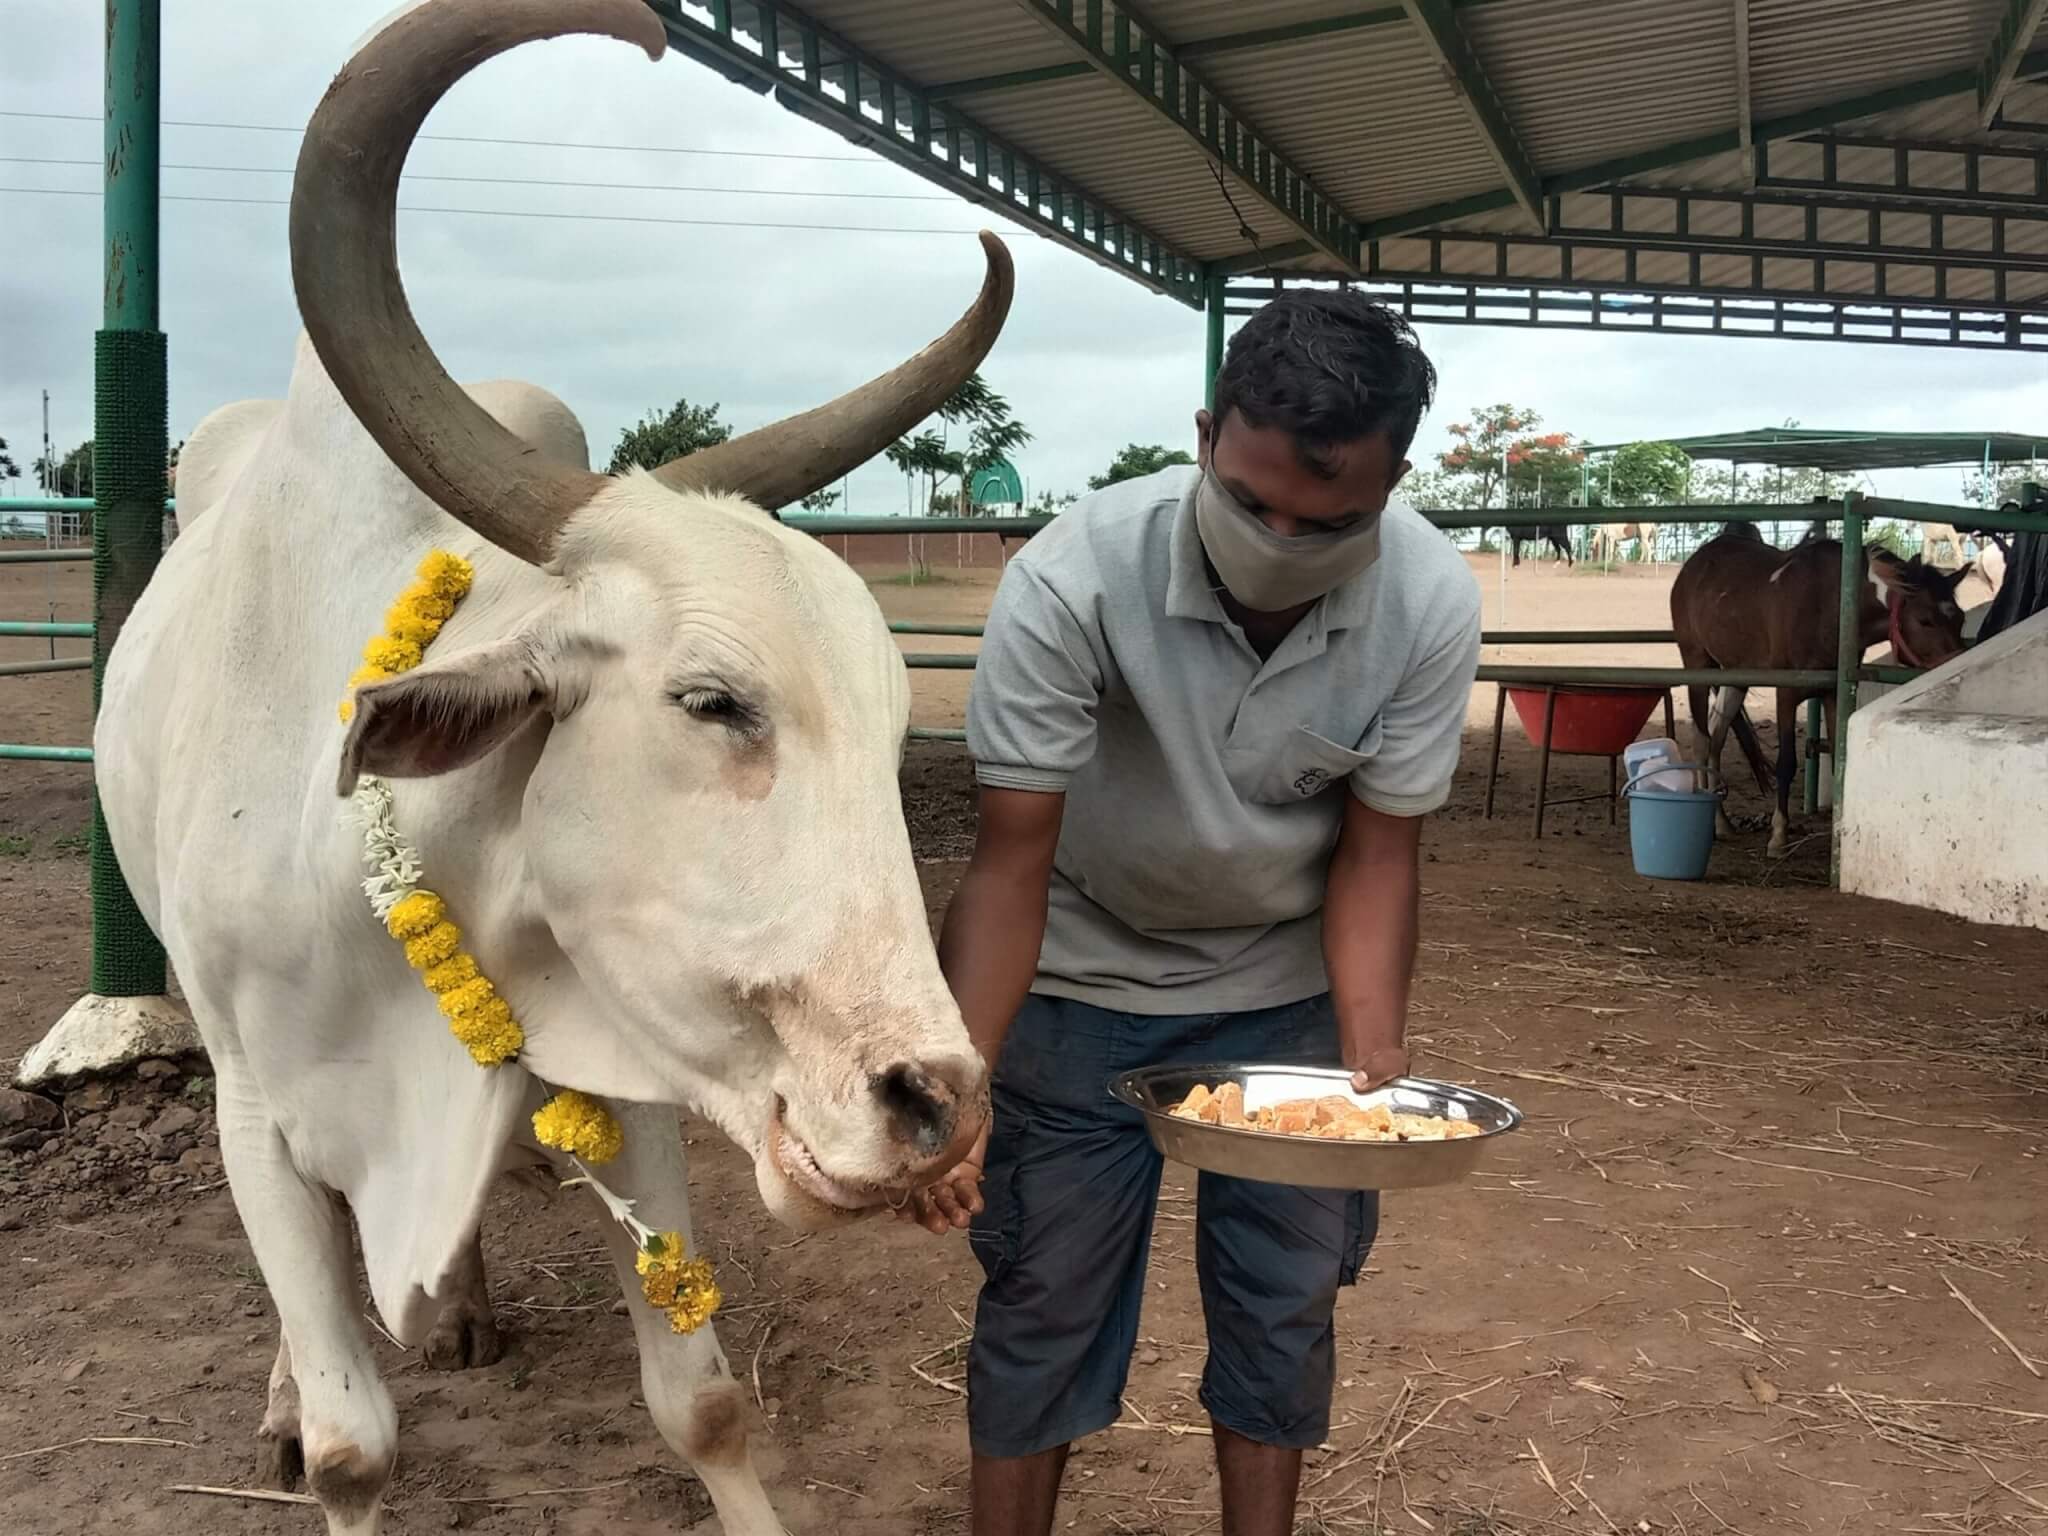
column 1607, row 539
column 650, row 763
column 1991, row 565
column 1934, row 538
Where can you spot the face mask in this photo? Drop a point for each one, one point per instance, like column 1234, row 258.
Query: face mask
column 1268, row 573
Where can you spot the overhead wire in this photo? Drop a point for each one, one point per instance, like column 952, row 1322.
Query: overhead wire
column 470, row 138
column 523, row 181
column 536, row 213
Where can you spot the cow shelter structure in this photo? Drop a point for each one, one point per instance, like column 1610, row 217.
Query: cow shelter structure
column 1815, row 169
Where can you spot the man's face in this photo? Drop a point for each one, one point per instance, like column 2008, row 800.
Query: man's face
column 1264, row 470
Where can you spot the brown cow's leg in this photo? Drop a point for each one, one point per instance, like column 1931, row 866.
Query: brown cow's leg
column 465, row 1335
column 1727, row 704
column 1788, row 768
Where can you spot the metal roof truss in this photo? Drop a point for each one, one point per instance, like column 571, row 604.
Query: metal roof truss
column 1617, row 308
column 821, row 76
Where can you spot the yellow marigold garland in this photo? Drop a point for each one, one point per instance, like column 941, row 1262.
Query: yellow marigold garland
column 412, row 622
column 675, row 1283
column 576, row 1123
column 570, row 1122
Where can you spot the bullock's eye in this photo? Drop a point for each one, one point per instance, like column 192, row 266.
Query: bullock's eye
column 715, row 706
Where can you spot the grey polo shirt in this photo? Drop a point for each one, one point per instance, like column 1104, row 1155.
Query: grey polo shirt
column 1205, row 787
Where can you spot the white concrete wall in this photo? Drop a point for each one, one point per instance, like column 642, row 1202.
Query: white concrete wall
column 1948, row 783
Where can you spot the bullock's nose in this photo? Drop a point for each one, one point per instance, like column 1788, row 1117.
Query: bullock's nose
column 922, row 1106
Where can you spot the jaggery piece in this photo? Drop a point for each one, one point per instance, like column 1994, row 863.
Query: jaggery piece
column 1333, row 1107
column 1293, row 1119
column 1190, row 1108
column 1225, row 1106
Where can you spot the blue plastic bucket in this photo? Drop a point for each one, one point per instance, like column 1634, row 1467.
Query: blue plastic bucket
column 1671, row 831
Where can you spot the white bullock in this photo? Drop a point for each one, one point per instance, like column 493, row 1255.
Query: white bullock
column 650, row 763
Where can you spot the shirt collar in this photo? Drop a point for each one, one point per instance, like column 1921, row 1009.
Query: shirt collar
column 1189, row 595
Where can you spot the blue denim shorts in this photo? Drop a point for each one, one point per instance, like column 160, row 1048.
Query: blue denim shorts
column 1070, row 1186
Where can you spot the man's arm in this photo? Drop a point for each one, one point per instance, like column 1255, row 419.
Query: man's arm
column 1369, row 925
column 1375, row 886
column 995, row 926
column 988, row 950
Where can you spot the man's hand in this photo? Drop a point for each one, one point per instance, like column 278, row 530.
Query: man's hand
column 1369, row 921
column 1381, row 1066
column 956, row 1199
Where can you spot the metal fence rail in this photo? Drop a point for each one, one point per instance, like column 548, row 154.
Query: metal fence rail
column 1852, row 515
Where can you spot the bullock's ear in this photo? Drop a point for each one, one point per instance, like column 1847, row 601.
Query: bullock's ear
column 446, row 714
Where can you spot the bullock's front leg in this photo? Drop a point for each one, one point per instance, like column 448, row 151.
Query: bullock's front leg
column 695, row 1403
column 465, row 1335
column 346, row 1427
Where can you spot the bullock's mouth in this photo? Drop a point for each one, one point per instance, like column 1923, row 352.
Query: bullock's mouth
column 799, row 1165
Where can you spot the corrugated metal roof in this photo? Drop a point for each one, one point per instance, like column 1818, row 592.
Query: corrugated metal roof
column 1366, row 114
column 1584, row 82
column 1188, row 21
column 935, row 42
column 1587, row 87
column 1804, row 52
column 1110, row 143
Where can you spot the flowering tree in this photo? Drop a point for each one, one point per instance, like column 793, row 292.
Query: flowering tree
column 1499, row 441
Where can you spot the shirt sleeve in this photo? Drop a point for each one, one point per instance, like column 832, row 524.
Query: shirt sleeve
column 1423, row 725
column 1038, row 679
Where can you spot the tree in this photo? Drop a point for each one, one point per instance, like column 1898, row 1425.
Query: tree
column 2008, row 483
column 1640, row 475
column 682, row 429
column 926, row 454
column 1137, row 460
column 1496, row 442
column 819, row 501
column 1428, row 490
column 68, row 476
column 994, row 433
column 8, row 468
column 1544, row 471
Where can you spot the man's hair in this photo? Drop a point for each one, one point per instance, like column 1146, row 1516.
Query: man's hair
column 1328, row 366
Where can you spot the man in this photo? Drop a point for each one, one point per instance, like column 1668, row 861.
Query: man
column 1212, row 707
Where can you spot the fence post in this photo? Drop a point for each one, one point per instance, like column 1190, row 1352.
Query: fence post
column 125, row 1016
column 1813, row 729
column 1848, row 661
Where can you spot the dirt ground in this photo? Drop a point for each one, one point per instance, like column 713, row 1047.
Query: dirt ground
column 1765, row 1258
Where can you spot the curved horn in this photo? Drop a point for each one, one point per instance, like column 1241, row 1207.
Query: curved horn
column 345, row 261
column 787, row 460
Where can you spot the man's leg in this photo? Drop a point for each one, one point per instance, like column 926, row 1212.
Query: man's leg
column 1271, row 1260
column 1259, row 1485
column 1068, row 1194
column 1016, row 1495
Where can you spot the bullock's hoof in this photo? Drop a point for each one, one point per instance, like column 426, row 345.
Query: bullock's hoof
column 280, row 1457
column 280, row 1461
column 1777, row 851
column 463, row 1339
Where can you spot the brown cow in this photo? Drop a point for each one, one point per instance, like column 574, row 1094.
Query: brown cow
column 1742, row 603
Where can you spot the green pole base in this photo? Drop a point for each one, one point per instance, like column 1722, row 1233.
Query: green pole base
column 129, row 372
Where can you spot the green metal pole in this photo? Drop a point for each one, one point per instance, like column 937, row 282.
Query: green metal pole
column 130, row 442
column 1215, row 286
column 1813, row 728
column 1849, row 659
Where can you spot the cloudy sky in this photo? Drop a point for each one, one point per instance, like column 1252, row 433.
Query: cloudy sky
column 621, row 298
